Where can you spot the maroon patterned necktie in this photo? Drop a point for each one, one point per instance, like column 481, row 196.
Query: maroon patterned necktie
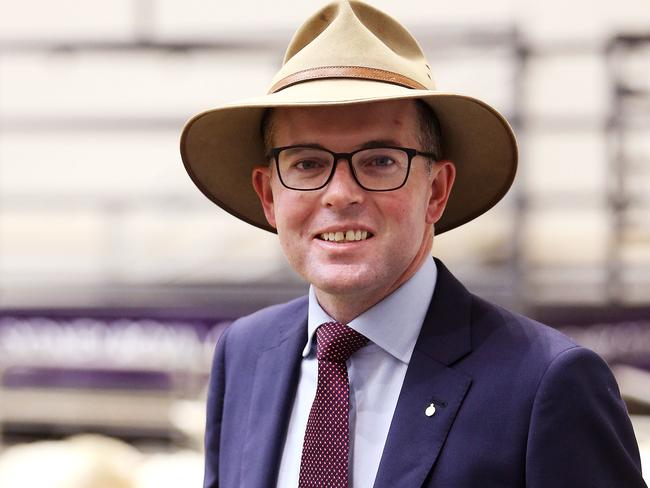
column 325, row 451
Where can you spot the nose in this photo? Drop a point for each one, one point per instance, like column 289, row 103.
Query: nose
column 342, row 190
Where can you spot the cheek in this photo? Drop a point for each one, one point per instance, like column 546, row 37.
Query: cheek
column 411, row 211
column 291, row 212
column 410, row 220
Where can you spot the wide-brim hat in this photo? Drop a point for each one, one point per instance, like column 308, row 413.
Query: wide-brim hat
column 351, row 53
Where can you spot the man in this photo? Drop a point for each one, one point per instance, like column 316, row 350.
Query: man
column 390, row 374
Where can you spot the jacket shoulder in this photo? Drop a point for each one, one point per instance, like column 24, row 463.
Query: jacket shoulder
column 270, row 323
column 494, row 324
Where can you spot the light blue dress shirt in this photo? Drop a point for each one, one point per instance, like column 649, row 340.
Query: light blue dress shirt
column 376, row 374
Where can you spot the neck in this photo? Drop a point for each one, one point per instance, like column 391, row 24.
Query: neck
column 346, row 307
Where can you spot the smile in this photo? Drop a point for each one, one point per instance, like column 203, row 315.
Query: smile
column 347, row 236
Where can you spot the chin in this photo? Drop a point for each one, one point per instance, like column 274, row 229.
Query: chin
column 344, row 279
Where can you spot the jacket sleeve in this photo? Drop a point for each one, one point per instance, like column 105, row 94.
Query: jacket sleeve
column 580, row 434
column 214, row 414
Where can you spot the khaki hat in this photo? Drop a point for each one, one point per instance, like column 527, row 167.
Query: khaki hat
column 351, row 53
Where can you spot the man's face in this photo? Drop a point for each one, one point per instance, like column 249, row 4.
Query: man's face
column 398, row 223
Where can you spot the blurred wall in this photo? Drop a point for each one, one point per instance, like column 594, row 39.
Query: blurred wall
column 96, row 209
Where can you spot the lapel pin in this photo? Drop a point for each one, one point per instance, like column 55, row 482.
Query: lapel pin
column 431, row 409
column 433, row 405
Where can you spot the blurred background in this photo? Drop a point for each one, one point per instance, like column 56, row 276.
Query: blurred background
column 117, row 276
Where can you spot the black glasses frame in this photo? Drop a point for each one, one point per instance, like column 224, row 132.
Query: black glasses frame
column 410, row 152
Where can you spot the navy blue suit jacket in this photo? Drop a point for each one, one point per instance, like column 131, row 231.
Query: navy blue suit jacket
column 518, row 404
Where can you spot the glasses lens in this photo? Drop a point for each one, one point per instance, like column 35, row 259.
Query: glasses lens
column 381, row 168
column 304, row 168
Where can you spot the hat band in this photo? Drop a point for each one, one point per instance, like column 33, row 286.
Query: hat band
column 359, row 72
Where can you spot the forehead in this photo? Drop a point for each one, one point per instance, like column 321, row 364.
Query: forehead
column 341, row 126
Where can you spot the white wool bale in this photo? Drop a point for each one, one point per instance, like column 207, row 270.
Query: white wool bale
column 87, row 461
column 183, row 468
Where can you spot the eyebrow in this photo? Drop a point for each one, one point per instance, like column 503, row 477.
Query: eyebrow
column 379, row 143
column 366, row 145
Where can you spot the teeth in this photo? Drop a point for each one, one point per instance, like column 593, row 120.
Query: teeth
column 347, row 236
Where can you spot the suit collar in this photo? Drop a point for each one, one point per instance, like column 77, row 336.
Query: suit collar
column 274, row 385
column 446, row 331
column 446, row 334
column 291, row 322
column 394, row 323
column 415, row 439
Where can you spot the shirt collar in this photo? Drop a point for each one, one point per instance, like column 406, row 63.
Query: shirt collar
column 394, row 323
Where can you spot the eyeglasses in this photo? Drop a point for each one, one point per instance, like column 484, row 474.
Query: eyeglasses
column 307, row 168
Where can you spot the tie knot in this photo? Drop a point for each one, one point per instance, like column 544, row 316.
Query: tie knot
column 337, row 342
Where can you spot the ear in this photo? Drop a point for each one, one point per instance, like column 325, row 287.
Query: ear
column 261, row 179
column 444, row 174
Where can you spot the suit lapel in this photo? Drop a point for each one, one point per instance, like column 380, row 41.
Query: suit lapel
column 415, row 438
column 274, row 385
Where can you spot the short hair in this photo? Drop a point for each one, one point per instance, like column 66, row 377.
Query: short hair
column 429, row 138
column 266, row 127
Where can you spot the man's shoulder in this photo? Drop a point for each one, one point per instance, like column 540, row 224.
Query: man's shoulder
column 513, row 320
column 272, row 321
column 495, row 326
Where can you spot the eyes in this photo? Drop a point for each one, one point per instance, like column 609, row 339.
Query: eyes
column 380, row 161
column 310, row 164
column 372, row 162
column 374, row 169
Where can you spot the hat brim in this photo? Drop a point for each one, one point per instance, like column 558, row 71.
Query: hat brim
column 220, row 147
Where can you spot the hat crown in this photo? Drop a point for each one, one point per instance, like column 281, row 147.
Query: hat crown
column 349, row 53
column 352, row 34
